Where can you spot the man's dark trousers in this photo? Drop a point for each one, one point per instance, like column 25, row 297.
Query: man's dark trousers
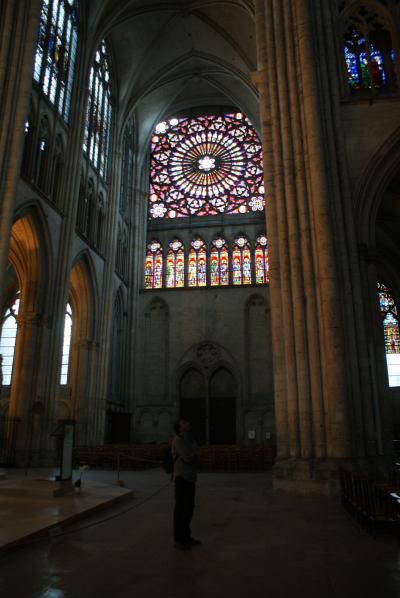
column 184, row 506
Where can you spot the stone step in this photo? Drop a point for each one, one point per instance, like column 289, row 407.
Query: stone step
column 44, row 488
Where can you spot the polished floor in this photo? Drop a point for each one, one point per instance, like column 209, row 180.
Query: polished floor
column 28, row 507
column 256, row 543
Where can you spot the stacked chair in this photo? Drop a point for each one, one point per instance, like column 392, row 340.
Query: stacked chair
column 374, row 504
column 213, row 458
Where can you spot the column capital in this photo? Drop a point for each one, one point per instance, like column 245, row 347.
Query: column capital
column 30, row 318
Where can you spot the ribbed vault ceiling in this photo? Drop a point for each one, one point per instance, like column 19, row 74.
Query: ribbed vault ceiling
column 168, row 56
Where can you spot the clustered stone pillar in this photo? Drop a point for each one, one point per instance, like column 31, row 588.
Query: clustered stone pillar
column 18, row 35
column 21, row 402
column 312, row 415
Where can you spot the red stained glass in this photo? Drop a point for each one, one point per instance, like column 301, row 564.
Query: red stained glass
column 246, row 266
column 153, row 266
column 197, row 269
column 390, row 319
column 192, row 268
column 205, row 166
column 224, row 267
column 214, row 267
column 175, row 265
column 219, row 263
column 202, row 268
column 261, row 260
column 241, row 261
column 237, row 266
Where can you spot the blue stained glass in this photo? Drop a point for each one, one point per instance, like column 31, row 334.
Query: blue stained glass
column 98, row 121
column 378, row 71
column 391, row 330
column 369, row 58
column 56, row 53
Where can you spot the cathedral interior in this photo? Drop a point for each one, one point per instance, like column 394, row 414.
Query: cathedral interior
column 200, row 217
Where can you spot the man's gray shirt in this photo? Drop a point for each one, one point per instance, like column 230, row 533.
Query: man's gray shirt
column 184, row 452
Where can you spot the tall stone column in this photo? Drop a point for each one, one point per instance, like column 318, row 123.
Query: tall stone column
column 313, row 254
column 24, row 384
column 19, row 23
column 84, row 390
column 98, row 410
column 60, row 284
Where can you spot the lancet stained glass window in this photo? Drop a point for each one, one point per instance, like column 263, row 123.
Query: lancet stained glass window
column 205, row 166
column 207, row 267
column 98, row 114
column 390, row 320
column 261, row 265
column 197, row 267
column 7, row 341
column 241, row 261
column 56, row 53
column 154, row 266
column 368, row 50
column 355, row 52
column 219, row 263
column 175, row 265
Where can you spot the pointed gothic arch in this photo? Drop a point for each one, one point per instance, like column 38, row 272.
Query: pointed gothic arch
column 374, row 180
column 84, row 295
column 83, row 298
column 31, row 255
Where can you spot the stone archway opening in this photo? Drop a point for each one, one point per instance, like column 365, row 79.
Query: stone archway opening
column 193, row 403
column 209, row 403
column 222, row 408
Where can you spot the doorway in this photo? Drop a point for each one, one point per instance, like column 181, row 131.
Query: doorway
column 222, row 408
column 193, row 403
column 209, row 403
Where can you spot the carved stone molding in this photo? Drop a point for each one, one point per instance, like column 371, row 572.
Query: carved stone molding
column 207, row 354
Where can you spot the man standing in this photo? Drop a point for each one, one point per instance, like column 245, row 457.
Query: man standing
column 184, row 453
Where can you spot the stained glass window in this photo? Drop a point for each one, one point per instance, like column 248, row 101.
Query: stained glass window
column 205, row 166
column 7, row 341
column 241, row 261
column 66, row 345
column 56, row 53
column 98, row 115
column 368, row 51
column 355, row 52
column 390, row 320
column 261, row 265
column 154, row 266
column 197, row 266
column 219, row 263
column 175, row 277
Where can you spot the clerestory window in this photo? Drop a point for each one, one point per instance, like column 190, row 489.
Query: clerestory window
column 56, row 53
column 390, row 320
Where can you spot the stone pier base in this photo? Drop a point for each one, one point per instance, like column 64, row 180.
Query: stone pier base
column 307, row 477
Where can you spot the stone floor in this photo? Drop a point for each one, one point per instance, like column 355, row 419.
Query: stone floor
column 255, row 543
column 28, row 507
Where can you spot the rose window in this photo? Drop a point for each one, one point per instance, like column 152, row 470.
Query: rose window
column 205, row 166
